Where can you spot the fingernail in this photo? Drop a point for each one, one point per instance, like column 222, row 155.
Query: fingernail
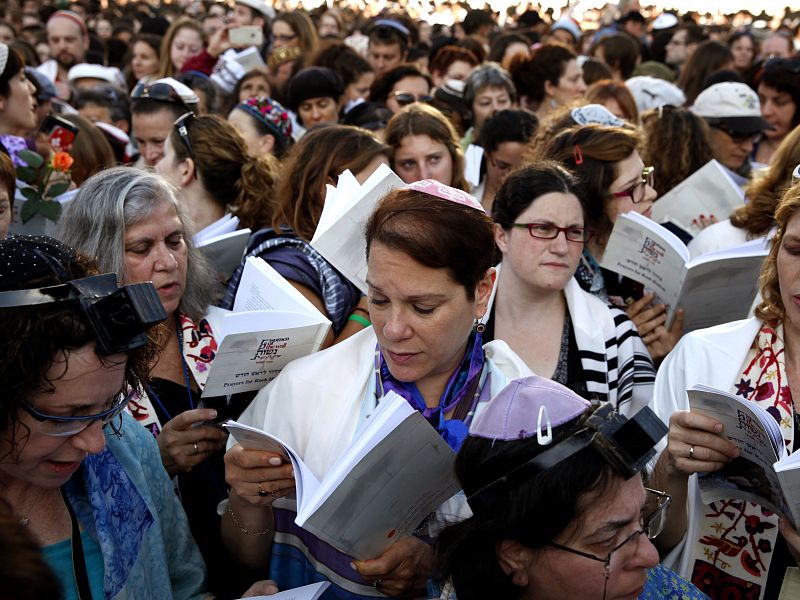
column 718, row 427
column 275, row 461
column 353, row 566
column 213, row 413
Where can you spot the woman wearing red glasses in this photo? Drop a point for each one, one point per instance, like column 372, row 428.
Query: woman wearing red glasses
column 561, row 331
column 615, row 181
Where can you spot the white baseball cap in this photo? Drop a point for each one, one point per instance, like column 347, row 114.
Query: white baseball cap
column 260, row 6
column 732, row 103
column 111, row 75
column 652, row 92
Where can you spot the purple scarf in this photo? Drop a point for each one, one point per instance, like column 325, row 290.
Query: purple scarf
column 462, row 381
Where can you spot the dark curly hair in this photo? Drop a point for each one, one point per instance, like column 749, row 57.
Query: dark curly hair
column 36, row 338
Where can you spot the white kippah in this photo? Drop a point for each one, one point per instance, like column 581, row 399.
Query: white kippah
column 3, row 57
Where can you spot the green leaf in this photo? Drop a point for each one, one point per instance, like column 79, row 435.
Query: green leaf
column 57, row 189
column 30, row 193
column 27, row 174
column 50, row 210
column 29, row 210
column 31, row 158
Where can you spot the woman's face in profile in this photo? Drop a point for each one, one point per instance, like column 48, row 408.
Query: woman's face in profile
column 603, row 525
column 421, row 316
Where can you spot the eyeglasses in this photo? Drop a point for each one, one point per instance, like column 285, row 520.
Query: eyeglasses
column 183, row 131
column 548, row 231
column 405, row 98
column 737, row 136
column 56, row 426
column 283, row 38
column 656, row 510
column 156, row 91
column 638, row 191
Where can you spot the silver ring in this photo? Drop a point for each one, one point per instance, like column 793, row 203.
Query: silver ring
column 691, row 452
column 377, row 583
column 262, row 492
column 196, row 449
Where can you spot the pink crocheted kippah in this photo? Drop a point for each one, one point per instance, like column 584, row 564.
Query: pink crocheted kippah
column 445, row 192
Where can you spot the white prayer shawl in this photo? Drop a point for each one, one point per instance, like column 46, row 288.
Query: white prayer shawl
column 616, row 364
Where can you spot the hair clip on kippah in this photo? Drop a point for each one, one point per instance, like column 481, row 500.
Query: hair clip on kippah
column 541, row 437
column 576, row 154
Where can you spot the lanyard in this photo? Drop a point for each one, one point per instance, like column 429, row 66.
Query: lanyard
column 78, row 559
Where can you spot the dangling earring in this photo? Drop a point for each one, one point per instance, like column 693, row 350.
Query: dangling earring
column 479, row 326
column 553, row 103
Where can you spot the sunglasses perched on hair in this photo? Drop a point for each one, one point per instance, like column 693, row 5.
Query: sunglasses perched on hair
column 737, row 136
column 57, row 426
column 157, row 91
column 406, row 98
column 787, row 64
column 548, row 231
column 181, row 125
column 638, row 191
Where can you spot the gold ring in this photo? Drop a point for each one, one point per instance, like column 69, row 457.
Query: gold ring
column 691, row 452
column 262, row 492
column 196, row 449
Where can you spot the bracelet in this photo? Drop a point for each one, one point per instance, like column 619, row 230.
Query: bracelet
column 359, row 319
column 229, row 510
column 359, row 309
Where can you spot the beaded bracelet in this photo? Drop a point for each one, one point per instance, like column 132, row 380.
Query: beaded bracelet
column 359, row 319
column 229, row 510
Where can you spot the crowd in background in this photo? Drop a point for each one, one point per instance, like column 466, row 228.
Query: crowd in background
column 509, row 130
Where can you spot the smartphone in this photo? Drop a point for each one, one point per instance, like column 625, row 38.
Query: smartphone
column 61, row 132
column 249, row 35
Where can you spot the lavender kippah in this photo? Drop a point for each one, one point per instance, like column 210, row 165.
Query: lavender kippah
column 272, row 114
column 445, row 192
column 514, row 413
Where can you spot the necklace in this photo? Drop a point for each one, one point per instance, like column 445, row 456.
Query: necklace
column 152, row 393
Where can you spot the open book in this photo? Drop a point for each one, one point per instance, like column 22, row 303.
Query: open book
column 764, row 472
column 396, row 471
column 339, row 236
column 710, row 190
column 270, row 325
column 225, row 251
column 714, row 288
column 307, row 592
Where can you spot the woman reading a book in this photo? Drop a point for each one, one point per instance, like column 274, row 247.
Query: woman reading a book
column 429, row 256
column 206, row 159
column 555, row 513
column 734, row 545
column 314, row 162
column 615, row 181
column 539, row 309
column 131, row 221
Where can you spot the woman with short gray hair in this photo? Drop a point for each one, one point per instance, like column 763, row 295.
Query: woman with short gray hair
column 488, row 89
column 131, row 223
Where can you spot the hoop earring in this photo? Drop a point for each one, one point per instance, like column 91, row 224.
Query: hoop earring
column 479, row 326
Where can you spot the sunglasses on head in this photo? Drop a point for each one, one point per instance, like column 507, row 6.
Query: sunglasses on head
column 181, row 125
column 406, row 98
column 157, row 91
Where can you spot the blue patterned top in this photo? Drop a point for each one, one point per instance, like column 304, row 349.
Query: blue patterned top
column 126, row 502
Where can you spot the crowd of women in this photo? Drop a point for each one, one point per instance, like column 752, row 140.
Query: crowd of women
column 487, row 308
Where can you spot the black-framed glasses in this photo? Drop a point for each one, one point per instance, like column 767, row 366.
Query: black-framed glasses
column 737, row 136
column 57, row 426
column 406, row 98
column 655, row 512
column 181, row 125
column 638, row 191
column 548, row 231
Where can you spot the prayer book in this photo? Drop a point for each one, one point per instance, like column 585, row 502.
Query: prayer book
column 710, row 190
column 396, row 471
column 764, row 472
column 714, row 288
column 307, row 592
column 225, row 251
column 270, row 325
column 339, row 236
